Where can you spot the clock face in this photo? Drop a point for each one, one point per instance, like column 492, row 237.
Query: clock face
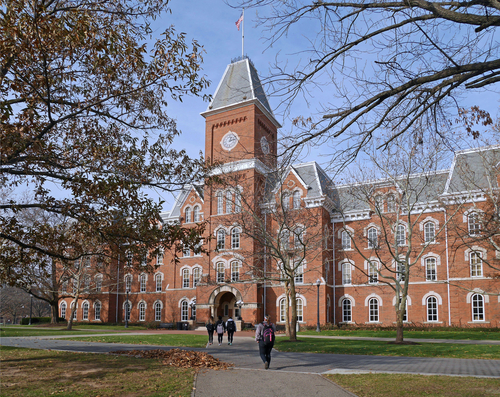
column 264, row 144
column 230, row 140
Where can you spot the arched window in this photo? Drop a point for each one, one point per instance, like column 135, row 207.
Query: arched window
column 196, row 213
column 299, row 273
column 237, row 201
column 130, row 256
column 97, row 311
column 373, row 310
column 235, row 238
column 476, row 264
column 196, row 276
column 372, row 272
column 346, row 311
column 474, row 223
column 346, row 273
column 296, row 199
column 157, row 311
column 187, row 213
column 142, row 311
column 379, row 203
column 477, row 307
column 285, row 239
column 220, row 272
column 346, row 240
column 372, row 238
column 143, row 282
column 85, row 311
column 298, row 237
column 300, row 310
column 229, row 202
column 432, row 309
column 429, row 232
column 391, row 203
column 193, row 312
column 159, row 257
column 400, row 235
column 285, row 201
column 86, row 283
column 184, row 310
column 283, row 310
column 63, row 310
column 235, row 271
column 98, row 283
column 220, row 203
column 430, row 269
column 185, row 278
column 128, row 282
column 221, row 239
column 158, row 282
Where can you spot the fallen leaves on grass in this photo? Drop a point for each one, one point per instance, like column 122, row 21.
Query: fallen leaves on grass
column 179, row 358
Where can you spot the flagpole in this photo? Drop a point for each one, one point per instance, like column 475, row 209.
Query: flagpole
column 243, row 35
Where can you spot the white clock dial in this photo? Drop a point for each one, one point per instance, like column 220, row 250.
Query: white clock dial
column 264, row 144
column 229, row 141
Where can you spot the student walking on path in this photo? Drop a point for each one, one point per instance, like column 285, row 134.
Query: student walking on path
column 264, row 335
column 220, row 329
column 210, row 329
column 231, row 329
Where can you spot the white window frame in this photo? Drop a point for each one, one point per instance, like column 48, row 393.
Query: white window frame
column 158, row 310
column 477, row 302
column 85, row 311
column 142, row 282
column 476, row 266
column 221, row 273
column 373, row 272
column 430, row 262
column 187, row 215
column 184, row 310
column 346, row 240
column 98, row 283
column 346, row 273
column 63, row 309
column 142, row 311
column 235, row 238
column 346, row 310
column 221, row 239
column 429, row 232
column 296, row 200
column 373, row 310
column 298, row 237
column 220, row 203
column 97, row 311
column 372, row 243
column 431, row 304
column 185, row 278
column 196, row 213
column 158, row 282
column 300, row 310
column 196, row 276
column 400, row 235
column 391, row 203
column 235, row 271
column 474, row 224
column 299, row 273
column 128, row 282
column 229, row 202
column 282, row 306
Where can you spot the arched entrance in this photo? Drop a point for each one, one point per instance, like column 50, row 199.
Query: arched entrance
column 223, row 302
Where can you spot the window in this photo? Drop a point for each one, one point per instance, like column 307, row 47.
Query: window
column 186, row 251
column 98, row 283
column 379, row 203
column 237, row 201
column 127, row 311
column 235, row 271
column 346, row 311
column 159, row 257
column 86, row 284
column 474, row 223
column 226, row 310
column 158, row 282
column 296, row 200
column 220, row 203
column 429, row 232
column 129, row 257
column 476, row 264
column 187, row 214
column 391, row 203
column 400, row 235
column 405, row 314
column 184, row 311
column 477, row 307
column 157, row 311
column 373, row 308
column 430, row 269
column 221, row 239
column 346, row 273
column 144, row 260
column 235, row 238
column 197, row 248
column 63, row 310
column 372, row 272
column 196, row 213
column 372, row 238
column 283, row 310
column 285, row 239
column 185, row 278
column 76, row 309
column 128, row 282
column 299, row 273
column 220, row 272
column 85, row 311
column 432, row 309
column 400, row 271
column 97, row 311
column 193, row 312
column 142, row 280
column 285, row 201
column 64, row 286
column 346, row 240
column 300, row 310
column 75, row 285
column 196, row 276
column 229, row 202
column 298, row 237
column 77, row 264
column 142, row 311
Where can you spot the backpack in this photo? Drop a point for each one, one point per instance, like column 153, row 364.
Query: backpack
column 268, row 335
column 230, row 326
column 210, row 327
column 220, row 328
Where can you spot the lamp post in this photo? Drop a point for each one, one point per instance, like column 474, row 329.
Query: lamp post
column 31, row 307
column 127, row 310
column 239, row 304
column 318, row 282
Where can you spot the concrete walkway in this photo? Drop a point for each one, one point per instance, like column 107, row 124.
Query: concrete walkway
column 297, row 373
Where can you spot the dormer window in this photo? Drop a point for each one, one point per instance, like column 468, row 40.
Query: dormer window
column 187, row 215
column 296, row 200
column 196, row 213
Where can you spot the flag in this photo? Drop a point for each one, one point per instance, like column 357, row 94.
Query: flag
column 239, row 21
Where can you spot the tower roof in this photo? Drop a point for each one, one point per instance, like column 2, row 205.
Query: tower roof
column 239, row 86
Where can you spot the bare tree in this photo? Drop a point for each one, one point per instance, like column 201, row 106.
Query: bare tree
column 399, row 66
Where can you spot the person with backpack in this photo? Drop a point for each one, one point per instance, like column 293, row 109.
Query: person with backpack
column 220, row 328
column 210, row 329
column 265, row 335
column 231, row 329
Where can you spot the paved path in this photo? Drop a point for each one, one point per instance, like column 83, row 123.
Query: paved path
column 298, row 373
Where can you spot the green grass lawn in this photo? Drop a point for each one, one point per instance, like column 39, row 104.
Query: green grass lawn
column 382, row 348
column 178, row 340
column 434, row 333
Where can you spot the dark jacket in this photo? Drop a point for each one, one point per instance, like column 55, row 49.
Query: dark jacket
column 220, row 322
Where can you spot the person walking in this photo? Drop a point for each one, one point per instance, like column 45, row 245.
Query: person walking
column 231, row 329
column 220, row 328
column 265, row 335
column 210, row 329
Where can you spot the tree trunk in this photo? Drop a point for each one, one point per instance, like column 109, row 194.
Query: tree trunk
column 399, row 327
column 54, row 312
column 287, row 310
column 293, row 325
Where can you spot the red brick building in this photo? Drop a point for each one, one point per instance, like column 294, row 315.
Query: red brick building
column 347, row 277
